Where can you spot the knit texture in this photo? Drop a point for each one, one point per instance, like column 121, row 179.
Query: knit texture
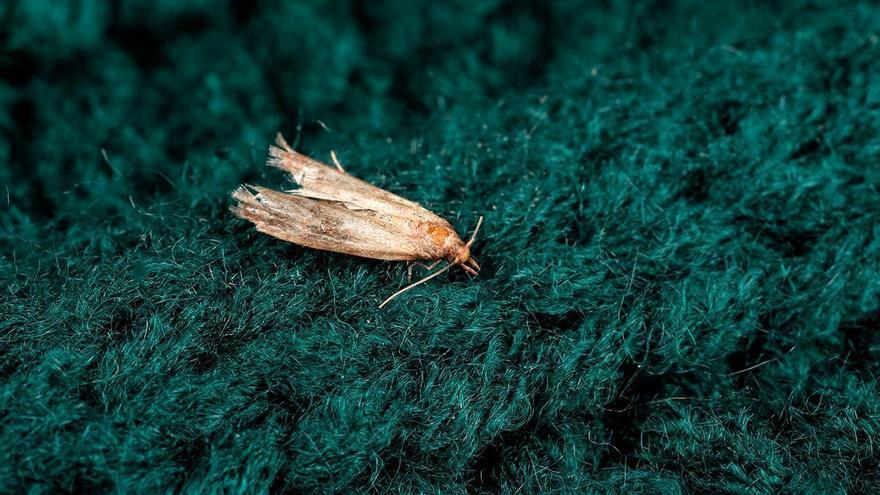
column 681, row 251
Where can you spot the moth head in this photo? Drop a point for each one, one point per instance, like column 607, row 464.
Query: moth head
column 469, row 264
column 462, row 256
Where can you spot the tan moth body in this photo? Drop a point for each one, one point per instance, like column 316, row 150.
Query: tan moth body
column 334, row 211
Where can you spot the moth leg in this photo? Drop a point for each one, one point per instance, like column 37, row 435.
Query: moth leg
column 336, row 161
column 413, row 264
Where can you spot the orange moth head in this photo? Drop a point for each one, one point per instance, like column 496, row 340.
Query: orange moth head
column 461, row 254
column 457, row 251
column 462, row 257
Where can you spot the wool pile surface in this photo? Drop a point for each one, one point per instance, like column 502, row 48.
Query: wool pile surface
column 681, row 253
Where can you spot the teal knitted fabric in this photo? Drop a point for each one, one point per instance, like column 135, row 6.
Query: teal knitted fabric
column 680, row 289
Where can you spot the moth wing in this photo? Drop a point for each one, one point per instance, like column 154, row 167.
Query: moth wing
column 331, row 226
column 320, row 181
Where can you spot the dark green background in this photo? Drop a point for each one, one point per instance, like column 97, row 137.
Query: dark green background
column 680, row 288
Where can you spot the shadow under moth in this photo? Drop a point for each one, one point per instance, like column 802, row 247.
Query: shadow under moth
column 334, row 211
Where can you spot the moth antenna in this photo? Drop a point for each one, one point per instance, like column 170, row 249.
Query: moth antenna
column 414, row 284
column 336, row 161
column 474, row 235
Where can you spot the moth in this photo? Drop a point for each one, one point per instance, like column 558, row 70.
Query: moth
column 335, row 211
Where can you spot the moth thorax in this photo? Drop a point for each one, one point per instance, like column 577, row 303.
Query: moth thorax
column 446, row 240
